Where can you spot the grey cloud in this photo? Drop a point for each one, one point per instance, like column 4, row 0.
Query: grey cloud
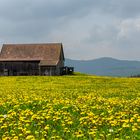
column 129, row 33
column 102, row 33
column 88, row 28
column 122, row 8
column 35, row 18
column 21, row 10
column 123, row 34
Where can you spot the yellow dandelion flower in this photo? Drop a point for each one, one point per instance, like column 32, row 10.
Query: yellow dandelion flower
column 30, row 137
column 47, row 127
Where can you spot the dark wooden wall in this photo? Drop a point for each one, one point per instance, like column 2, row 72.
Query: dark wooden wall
column 19, row 68
column 15, row 68
column 48, row 70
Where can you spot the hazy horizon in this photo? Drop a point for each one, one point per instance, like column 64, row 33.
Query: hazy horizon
column 102, row 58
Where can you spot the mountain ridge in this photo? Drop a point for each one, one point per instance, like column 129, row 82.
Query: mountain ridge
column 106, row 66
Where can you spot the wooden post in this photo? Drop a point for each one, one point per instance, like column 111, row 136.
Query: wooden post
column 39, row 70
column 50, row 71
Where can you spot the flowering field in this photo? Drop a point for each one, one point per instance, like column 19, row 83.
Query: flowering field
column 69, row 107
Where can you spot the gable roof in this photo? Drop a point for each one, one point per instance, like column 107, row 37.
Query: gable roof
column 50, row 52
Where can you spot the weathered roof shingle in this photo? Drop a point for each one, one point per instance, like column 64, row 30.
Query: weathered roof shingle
column 47, row 53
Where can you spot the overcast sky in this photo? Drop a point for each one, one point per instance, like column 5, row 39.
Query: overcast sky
column 88, row 29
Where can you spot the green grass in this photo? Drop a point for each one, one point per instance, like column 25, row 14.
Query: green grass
column 69, row 107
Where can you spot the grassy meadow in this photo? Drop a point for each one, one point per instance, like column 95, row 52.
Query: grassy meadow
column 78, row 107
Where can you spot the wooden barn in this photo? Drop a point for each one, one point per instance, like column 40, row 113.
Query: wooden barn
column 31, row 59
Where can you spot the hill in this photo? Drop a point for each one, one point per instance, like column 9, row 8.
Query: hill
column 106, row 66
